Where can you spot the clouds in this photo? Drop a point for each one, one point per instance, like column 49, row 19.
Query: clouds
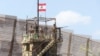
column 71, row 18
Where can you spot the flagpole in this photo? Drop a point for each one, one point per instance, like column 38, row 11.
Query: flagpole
column 38, row 18
column 45, row 24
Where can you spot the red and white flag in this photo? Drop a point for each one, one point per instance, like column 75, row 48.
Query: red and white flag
column 42, row 7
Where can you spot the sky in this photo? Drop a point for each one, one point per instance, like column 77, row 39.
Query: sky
column 81, row 16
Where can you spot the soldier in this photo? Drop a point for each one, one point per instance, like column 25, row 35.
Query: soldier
column 36, row 31
column 41, row 32
column 31, row 30
column 54, row 30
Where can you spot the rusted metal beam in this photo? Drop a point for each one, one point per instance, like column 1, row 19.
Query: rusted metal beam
column 13, row 37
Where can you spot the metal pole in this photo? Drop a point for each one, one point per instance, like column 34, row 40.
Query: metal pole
column 26, row 25
column 38, row 18
column 45, row 24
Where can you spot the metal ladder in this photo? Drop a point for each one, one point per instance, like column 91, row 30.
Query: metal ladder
column 50, row 44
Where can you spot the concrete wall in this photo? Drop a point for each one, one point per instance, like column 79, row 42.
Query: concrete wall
column 72, row 45
column 94, row 48
column 6, row 31
column 20, row 30
column 77, row 45
column 63, row 47
column 6, row 27
column 4, row 49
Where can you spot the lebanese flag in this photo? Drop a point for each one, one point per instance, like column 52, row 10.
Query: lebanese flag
column 42, row 7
